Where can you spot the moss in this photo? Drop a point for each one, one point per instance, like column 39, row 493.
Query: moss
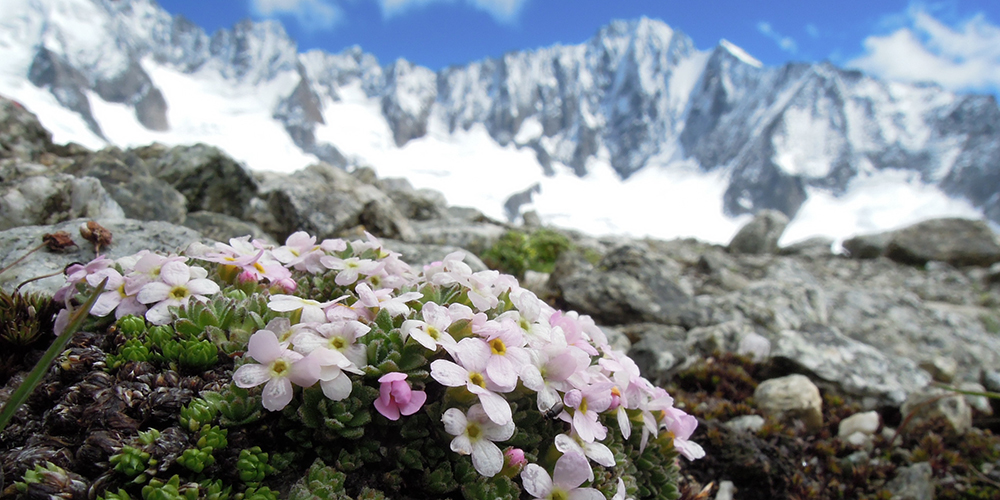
column 517, row 252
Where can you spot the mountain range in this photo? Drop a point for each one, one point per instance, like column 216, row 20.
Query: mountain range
column 637, row 98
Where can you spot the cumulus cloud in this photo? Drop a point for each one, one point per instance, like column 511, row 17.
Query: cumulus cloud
column 312, row 15
column 503, row 11
column 962, row 58
column 786, row 43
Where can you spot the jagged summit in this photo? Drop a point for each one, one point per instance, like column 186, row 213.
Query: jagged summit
column 639, row 95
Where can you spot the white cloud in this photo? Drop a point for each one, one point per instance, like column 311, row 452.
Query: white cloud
column 812, row 30
column 503, row 11
column 312, row 15
column 786, row 43
column 961, row 58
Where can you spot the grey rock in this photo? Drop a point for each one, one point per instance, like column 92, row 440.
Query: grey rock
column 222, row 227
column 321, row 200
column 659, row 351
column 727, row 491
column 419, row 255
column 208, row 178
column 942, row 369
column 978, row 403
column 761, row 234
column 52, row 198
column 629, row 285
column 129, row 236
column 819, row 246
column 617, row 339
column 127, row 178
column 960, row 242
column 380, row 216
column 416, row 204
column 21, row 134
column 791, row 397
column 868, row 246
column 935, row 402
column 855, row 367
column 993, row 275
column 746, row 423
column 914, row 482
column 476, row 234
column 865, row 423
column 991, row 380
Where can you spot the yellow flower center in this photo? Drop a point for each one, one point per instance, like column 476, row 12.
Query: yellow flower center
column 178, row 292
column 477, row 379
column 433, row 332
column 338, row 343
column 473, row 431
column 497, row 347
column 279, row 367
column 583, row 405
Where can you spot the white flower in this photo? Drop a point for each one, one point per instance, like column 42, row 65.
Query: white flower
column 571, row 470
column 474, row 435
column 178, row 283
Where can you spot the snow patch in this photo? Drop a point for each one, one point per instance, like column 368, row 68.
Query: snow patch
column 882, row 201
column 740, row 53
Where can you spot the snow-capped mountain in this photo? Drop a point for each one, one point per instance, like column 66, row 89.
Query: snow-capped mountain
column 635, row 125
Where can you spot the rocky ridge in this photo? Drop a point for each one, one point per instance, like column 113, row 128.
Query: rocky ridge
column 872, row 329
column 637, row 93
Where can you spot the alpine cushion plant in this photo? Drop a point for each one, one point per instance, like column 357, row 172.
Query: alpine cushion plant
column 353, row 342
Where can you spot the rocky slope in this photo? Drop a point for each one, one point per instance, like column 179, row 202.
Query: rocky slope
column 639, row 93
column 867, row 328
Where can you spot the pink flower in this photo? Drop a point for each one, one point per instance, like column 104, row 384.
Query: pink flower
column 77, row 273
column 682, row 425
column 396, row 397
column 279, row 367
column 571, row 471
column 587, row 404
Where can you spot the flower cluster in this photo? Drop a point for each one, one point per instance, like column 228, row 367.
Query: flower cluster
column 484, row 338
column 144, row 284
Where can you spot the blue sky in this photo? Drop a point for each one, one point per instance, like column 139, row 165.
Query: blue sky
column 953, row 43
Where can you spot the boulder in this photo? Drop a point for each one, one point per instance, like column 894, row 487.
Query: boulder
column 852, row 366
column 21, row 134
column 208, row 178
column 126, row 177
column 52, row 198
column 960, row 242
column 129, row 236
column 867, row 246
column 416, row 204
column 629, row 285
column 760, row 235
column 321, row 200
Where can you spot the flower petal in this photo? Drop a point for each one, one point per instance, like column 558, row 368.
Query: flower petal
column 487, row 457
column 277, row 393
column 448, row 373
column 251, row 375
column 571, row 470
column 536, row 481
column 454, row 421
column 264, row 347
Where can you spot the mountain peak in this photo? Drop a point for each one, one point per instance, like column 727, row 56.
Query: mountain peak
column 740, row 54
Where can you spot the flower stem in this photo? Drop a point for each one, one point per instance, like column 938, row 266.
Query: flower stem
column 36, row 375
